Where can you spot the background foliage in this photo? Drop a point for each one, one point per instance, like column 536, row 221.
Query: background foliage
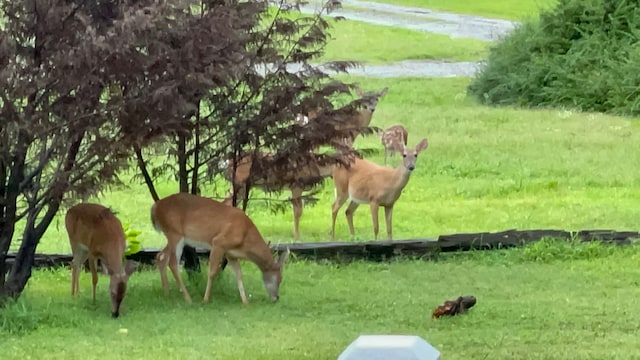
column 581, row 55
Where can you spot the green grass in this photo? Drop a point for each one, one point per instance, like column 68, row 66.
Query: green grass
column 503, row 9
column 548, row 301
column 486, row 169
column 376, row 44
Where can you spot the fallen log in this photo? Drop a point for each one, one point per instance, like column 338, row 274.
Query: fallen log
column 385, row 249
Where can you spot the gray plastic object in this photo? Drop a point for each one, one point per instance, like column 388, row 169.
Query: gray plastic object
column 389, row 347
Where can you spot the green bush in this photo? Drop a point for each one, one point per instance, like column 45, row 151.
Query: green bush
column 583, row 54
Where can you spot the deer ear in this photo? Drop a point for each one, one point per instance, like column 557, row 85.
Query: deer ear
column 422, row 145
column 283, row 257
column 130, row 267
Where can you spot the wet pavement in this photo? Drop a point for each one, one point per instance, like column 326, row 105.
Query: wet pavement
column 420, row 19
column 411, row 68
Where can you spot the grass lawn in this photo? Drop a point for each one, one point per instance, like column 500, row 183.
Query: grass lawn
column 374, row 44
column 502, row 9
column 548, row 301
column 486, row 169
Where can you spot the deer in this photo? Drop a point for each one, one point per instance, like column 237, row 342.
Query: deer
column 95, row 233
column 361, row 118
column 356, row 121
column 391, row 138
column 365, row 182
column 243, row 170
column 225, row 230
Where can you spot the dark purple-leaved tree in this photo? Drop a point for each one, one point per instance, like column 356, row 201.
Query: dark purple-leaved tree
column 179, row 87
column 220, row 89
column 57, row 137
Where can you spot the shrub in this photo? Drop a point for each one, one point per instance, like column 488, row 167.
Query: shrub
column 582, row 54
column 134, row 245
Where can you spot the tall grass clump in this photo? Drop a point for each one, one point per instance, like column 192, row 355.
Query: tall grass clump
column 582, row 54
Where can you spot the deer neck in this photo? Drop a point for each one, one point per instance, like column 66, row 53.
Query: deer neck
column 262, row 257
column 113, row 265
column 264, row 261
column 325, row 170
column 365, row 117
column 401, row 177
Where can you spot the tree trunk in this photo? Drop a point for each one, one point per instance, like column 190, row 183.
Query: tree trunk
column 142, row 165
column 191, row 261
column 13, row 175
column 21, row 269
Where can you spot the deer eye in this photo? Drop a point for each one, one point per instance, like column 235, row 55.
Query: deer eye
column 404, row 155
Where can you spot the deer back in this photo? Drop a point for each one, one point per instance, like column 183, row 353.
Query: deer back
column 98, row 229
column 394, row 136
column 209, row 222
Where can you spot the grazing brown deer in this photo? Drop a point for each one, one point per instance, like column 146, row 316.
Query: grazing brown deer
column 365, row 182
column 96, row 233
column 272, row 181
column 391, row 138
column 226, row 231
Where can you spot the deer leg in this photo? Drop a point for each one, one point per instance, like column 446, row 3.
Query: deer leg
column 349, row 214
column 337, row 204
column 74, row 278
column 93, row 267
column 296, row 203
column 79, row 257
column 388, row 212
column 215, row 258
column 174, row 266
column 374, row 218
column 235, row 266
column 161, row 263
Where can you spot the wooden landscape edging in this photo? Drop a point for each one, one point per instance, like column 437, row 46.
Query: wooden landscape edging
column 385, row 249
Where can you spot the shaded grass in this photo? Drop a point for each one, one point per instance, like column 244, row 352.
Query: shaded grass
column 503, row 9
column 376, row 44
column 550, row 300
column 486, row 169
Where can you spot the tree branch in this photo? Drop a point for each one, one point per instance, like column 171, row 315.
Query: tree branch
column 142, row 165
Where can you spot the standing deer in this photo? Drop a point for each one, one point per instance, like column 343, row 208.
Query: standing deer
column 273, row 181
column 357, row 121
column 391, row 138
column 96, row 233
column 362, row 118
column 365, row 182
column 224, row 230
